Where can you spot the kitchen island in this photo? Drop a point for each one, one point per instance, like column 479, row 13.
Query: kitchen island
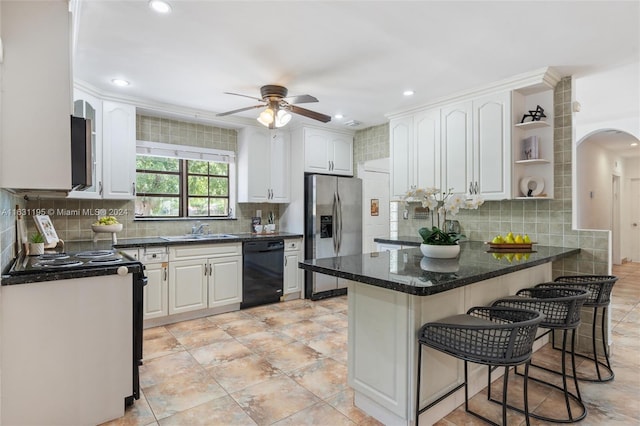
column 392, row 294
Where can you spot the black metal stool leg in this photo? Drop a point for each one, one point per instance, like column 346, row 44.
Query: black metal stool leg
column 418, row 390
column 526, row 393
column 505, row 382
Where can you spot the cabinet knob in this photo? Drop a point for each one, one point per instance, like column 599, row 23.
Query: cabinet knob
column 133, row 188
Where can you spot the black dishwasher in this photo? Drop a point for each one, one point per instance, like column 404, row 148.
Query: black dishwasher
column 262, row 273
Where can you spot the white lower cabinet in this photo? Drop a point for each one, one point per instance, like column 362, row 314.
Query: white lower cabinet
column 156, row 291
column 293, row 276
column 187, row 285
column 204, row 276
column 225, row 281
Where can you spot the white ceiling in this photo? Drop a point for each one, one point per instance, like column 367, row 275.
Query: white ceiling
column 356, row 57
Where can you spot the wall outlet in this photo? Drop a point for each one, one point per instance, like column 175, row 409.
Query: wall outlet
column 405, row 214
column 258, row 213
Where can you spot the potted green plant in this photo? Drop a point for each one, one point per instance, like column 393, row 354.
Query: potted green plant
column 36, row 244
column 437, row 243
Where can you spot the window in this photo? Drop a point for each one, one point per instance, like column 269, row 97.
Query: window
column 171, row 186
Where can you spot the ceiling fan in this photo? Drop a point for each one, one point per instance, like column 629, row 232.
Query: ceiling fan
column 278, row 106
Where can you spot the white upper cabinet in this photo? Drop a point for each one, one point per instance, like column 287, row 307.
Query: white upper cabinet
column 118, row 151
column 464, row 147
column 90, row 107
column 415, row 152
column 492, row 146
column 263, row 166
column 328, row 152
column 36, row 95
column 457, row 148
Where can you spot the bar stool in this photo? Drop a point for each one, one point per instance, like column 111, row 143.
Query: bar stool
column 560, row 307
column 599, row 288
column 493, row 336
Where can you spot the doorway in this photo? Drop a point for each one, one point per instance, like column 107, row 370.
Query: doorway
column 375, row 202
column 634, row 228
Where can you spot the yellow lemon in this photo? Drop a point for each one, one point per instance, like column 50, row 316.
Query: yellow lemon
column 527, row 240
column 519, row 239
column 497, row 240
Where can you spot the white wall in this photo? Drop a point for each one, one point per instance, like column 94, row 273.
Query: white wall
column 609, row 99
column 595, row 167
column 631, row 171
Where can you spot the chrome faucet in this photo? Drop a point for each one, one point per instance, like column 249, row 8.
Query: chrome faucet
column 198, row 228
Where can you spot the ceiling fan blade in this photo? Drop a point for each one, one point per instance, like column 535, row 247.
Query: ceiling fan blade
column 300, row 99
column 244, row 96
column 222, row 114
column 308, row 113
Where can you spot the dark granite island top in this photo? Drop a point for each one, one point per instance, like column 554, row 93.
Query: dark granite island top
column 409, row 272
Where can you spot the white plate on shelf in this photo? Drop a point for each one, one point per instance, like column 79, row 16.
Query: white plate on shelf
column 535, row 184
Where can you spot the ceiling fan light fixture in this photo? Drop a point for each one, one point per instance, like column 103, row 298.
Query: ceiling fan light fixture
column 282, row 118
column 266, row 117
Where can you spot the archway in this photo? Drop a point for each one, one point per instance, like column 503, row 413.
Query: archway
column 607, row 165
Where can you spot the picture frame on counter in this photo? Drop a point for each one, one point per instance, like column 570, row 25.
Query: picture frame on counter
column 45, row 227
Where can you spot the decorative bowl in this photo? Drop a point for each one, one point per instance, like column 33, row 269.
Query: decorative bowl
column 116, row 227
column 439, row 251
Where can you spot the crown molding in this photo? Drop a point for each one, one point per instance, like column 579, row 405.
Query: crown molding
column 529, row 82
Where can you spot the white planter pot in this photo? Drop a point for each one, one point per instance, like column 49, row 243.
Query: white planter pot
column 440, row 252
column 36, row 249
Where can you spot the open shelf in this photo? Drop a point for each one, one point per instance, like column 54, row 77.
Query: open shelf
column 533, row 161
column 532, row 125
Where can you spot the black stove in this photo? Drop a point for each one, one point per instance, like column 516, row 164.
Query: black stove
column 67, row 261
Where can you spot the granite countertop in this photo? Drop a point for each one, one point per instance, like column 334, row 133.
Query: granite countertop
column 409, row 272
column 125, row 243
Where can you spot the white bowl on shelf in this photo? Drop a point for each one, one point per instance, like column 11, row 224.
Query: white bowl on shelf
column 116, row 227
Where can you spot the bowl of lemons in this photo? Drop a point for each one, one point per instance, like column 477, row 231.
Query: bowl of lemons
column 107, row 224
column 510, row 242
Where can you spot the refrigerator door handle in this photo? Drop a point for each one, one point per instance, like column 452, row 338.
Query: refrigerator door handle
column 334, row 212
column 339, row 209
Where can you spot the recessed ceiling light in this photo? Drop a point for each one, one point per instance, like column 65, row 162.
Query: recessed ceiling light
column 634, row 143
column 120, row 82
column 408, row 93
column 160, row 6
column 338, row 116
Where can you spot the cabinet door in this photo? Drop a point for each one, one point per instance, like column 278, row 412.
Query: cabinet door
column 492, row 145
column 36, row 95
column 225, row 281
column 457, row 148
column 187, row 285
column 401, row 150
column 280, row 169
column 90, row 107
column 292, row 274
column 254, row 165
column 341, row 154
column 119, row 151
column 156, row 291
column 426, row 151
column 316, row 151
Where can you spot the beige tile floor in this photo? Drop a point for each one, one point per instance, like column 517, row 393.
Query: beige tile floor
column 285, row 364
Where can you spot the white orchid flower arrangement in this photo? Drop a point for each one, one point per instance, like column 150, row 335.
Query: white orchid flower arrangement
column 441, row 204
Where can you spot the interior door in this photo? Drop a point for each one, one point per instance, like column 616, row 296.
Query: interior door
column 634, row 228
column 375, row 211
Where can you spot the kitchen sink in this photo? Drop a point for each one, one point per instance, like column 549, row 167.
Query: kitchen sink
column 198, row 237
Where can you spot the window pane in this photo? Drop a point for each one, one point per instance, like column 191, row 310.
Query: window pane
column 198, row 207
column 144, row 162
column 157, row 206
column 218, row 186
column 198, row 166
column 198, row 185
column 219, row 206
column 220, row 169
column 153, row 183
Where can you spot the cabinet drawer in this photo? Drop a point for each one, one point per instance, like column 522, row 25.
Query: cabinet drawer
column 292, row 245
column 204, row 251
column 154, row 254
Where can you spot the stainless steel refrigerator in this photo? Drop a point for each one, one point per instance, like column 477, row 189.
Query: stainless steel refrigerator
column 333, row 227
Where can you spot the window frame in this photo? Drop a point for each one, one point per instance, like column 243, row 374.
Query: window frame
column 184, row 154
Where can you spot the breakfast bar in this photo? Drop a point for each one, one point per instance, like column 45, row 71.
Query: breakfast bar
column 392, row 294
